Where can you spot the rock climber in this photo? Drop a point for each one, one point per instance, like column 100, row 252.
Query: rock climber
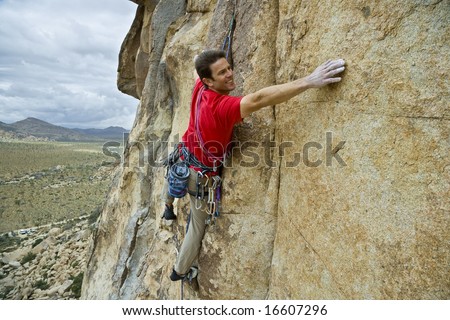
column 212, row 117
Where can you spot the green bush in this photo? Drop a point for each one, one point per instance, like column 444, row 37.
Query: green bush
column 29, row 257
column 76, row 285
column 8, row 243
column 36, row 242
column 4, row 292
column 41, row 284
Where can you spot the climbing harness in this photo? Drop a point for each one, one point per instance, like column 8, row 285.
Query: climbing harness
column 182, row 152
column 207, row 187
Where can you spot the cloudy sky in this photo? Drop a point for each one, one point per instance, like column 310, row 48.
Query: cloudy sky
column 58, row 62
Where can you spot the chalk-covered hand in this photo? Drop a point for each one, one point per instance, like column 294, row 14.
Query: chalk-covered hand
column 325, row 73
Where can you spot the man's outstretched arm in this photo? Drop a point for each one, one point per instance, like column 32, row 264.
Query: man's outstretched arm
column 269, row 96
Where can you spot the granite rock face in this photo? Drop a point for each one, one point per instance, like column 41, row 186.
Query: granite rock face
column 340, row 193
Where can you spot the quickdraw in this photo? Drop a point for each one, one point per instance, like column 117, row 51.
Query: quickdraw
column 213, row 203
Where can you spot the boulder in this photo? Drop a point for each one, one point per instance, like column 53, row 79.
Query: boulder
column 9, row 281
column 52, row 292
column 5, row 259
column 26, row 292
column 45, row 244
column 66, row 285
column 15, row 255
column 54, row 232
column 14, row 264
column 83, row 235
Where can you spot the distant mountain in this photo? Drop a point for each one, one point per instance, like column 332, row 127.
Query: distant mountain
column 42, row 129
column 5, row 127
column 107, row 133
column 32, row 127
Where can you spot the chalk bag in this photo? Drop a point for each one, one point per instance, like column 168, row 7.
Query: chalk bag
column 178, row 179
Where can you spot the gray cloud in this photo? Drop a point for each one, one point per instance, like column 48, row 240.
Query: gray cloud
column 58, row 62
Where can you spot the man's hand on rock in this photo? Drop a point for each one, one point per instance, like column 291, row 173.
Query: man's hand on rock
column 325, row 73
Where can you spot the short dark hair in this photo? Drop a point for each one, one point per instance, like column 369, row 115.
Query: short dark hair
column 205, row 60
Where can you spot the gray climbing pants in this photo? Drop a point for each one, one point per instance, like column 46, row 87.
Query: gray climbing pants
column 192, row 242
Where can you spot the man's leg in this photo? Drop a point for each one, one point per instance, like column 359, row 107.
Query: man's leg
column 193, row 240
column 190, row 247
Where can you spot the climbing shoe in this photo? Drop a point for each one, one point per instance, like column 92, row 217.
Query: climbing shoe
column 190, row 277
column 168, row 213
column 175, row 276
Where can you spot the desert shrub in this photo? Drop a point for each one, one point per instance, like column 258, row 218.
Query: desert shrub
column 29, row 257
column 8, row 243
column 4, row 292
column 36, row 242
column 76, row 285
column 41, row 284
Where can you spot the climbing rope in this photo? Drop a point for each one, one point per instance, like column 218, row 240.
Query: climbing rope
column 177, row 246
column 229, row 36
column 182, row 291
column 214, row 193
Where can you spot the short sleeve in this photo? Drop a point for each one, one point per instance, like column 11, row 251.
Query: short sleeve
column 229, row 110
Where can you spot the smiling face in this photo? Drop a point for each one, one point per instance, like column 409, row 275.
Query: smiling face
column 222, row 80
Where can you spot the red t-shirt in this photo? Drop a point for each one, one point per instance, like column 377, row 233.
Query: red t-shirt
column 218, row 115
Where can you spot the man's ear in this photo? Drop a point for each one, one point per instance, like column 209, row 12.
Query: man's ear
column 207, row 81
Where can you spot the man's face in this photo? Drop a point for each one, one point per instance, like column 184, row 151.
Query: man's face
column 222, row 77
